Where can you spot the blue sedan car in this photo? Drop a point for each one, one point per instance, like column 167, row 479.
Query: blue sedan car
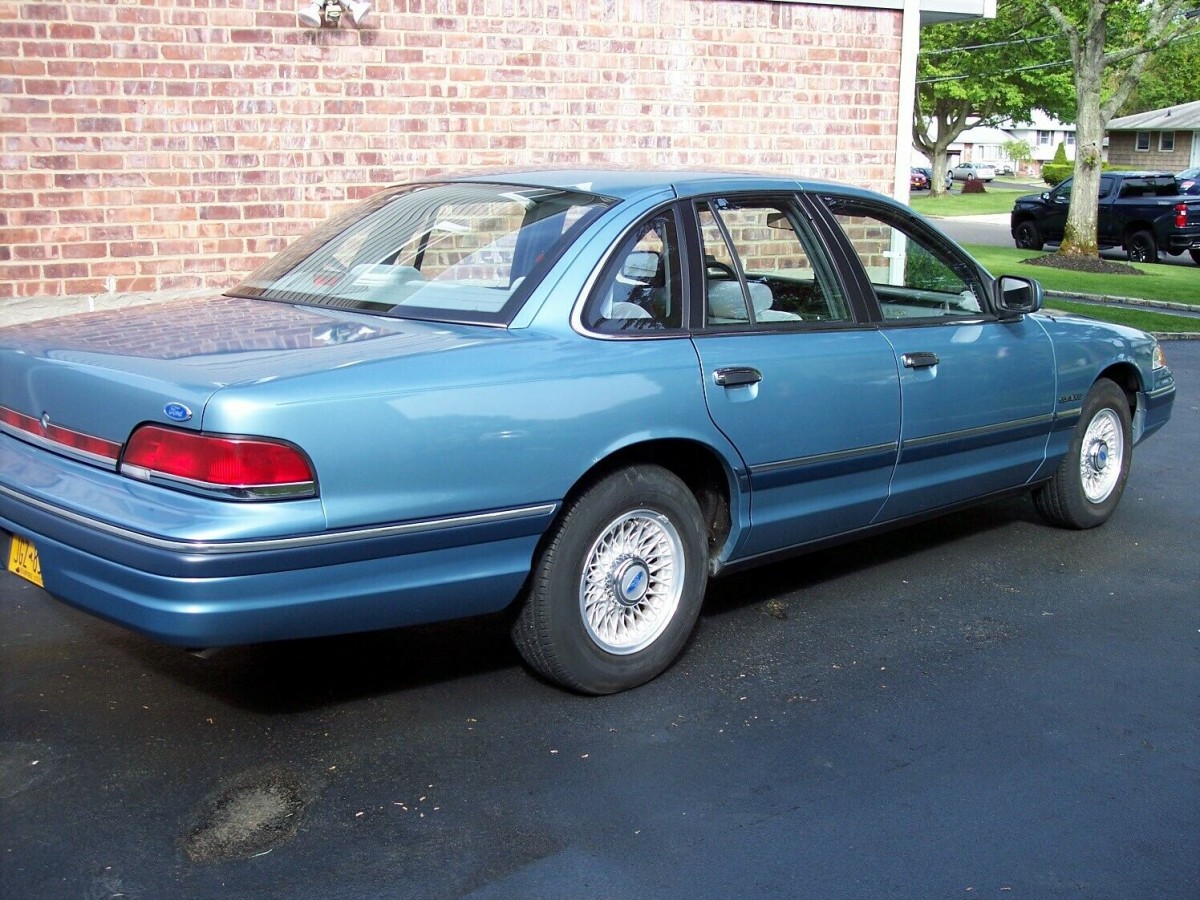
column 576, row 395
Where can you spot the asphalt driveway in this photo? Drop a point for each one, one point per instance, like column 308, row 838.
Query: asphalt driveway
column 980, row 706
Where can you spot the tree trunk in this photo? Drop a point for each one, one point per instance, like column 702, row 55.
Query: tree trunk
column 1079, row 234
column 939, row 166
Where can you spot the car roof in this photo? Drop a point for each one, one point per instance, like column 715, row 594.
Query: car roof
column 627, row 185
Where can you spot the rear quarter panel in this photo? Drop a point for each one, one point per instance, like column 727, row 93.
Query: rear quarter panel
column 513, row 418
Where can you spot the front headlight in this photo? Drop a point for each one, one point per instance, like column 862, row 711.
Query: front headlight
column 1159, row 358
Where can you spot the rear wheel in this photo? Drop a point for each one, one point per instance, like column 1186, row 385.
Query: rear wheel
column 1089, row 482
column 615, row 593
column 1142, row 247
column 1028, row 236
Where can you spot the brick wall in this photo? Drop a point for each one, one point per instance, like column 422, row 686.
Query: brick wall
column 165, row 144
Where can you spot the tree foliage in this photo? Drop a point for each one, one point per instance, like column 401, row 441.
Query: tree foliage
column 1171, row 77
column 983, row 71
column 1018, row 151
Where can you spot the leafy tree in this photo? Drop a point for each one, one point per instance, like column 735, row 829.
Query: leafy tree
column 1109, row 42
column 1169, row 78
column 983, row 71
column 1018, row 151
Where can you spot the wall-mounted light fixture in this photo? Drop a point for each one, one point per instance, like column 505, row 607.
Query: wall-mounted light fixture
column 318, row 12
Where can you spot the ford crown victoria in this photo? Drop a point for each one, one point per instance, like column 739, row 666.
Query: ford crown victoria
column 574, row 395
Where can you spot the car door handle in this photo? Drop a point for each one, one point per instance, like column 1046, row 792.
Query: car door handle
column 922, row 360
column 733, row 376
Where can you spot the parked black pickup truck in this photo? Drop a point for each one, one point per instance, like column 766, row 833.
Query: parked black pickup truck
column 1141, row 212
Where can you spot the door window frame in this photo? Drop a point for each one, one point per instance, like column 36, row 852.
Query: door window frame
column 942, row 248
column 823, row 256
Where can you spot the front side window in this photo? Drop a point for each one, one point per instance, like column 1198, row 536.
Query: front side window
column 915, row 274
column 456, row 252
column 757, row 270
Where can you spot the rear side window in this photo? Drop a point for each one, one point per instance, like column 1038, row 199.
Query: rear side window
column 758, row 271
column 641, row 288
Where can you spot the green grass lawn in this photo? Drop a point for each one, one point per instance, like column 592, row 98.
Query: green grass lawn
column 1136, row 317
column 996, row 200
column 1178, row 284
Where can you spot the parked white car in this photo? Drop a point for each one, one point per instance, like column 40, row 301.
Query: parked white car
column 966, row 170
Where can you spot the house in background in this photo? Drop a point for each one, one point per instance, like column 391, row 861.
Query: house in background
column 1159, row 139
column 985, row 144
column 981, row 144
column 1043, row 134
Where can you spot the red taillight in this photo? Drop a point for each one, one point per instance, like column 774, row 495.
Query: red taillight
column 1180, row 215
column 240, row 466
column 64, row 438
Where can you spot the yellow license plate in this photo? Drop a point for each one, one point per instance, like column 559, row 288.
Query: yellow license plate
column 23, row 560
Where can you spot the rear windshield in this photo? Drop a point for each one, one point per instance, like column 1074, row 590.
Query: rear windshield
column 443, row 252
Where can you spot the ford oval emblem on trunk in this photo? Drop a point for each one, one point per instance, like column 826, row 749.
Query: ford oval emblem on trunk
column 177, row 412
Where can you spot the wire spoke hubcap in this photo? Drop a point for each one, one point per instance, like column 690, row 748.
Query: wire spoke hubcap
column 632, row 581
column 1102, row 456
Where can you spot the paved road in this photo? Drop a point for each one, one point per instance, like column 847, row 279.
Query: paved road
column 977, row 707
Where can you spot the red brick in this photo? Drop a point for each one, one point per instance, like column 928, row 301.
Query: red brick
column 189, row 120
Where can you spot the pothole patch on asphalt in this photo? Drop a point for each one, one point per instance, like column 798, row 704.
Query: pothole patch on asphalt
column 254, row 815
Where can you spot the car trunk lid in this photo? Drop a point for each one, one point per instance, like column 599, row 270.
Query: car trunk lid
column 103, row 374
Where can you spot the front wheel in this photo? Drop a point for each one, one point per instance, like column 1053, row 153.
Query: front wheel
column 1142, row 247
column 1028, row 236
column 616, row 590
column 1088, row 484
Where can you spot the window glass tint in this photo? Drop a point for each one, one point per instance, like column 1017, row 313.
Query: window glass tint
column 757, row 269
column 642, row 286
column 914, row 274
column 448, row 252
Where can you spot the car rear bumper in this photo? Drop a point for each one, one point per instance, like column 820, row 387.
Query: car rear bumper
column 1177, row 242
column 220, row 593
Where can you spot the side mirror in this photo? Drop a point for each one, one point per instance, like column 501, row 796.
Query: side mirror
column 1015, row 296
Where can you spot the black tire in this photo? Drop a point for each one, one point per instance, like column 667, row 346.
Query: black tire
column 1142, row 248
column 608, row 607
column 1195, row 255
column 1086, row 489
column 1028, row 236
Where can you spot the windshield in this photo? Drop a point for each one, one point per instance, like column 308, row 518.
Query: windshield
column 445, row 252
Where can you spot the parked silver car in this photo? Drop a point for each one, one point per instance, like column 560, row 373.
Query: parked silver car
column 966, row 170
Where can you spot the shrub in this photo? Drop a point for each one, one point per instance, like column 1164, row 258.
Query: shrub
column 1058, row 168
column 1054, row 173
column 973, row 186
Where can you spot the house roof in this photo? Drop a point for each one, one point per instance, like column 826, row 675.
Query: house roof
column 982, row 134
column 1041, row 121
column 1182, row 117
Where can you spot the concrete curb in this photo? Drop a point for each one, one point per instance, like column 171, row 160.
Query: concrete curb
column 1109, row 300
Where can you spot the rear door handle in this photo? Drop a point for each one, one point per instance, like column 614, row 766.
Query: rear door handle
column 733, row 376
column 921, row 360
